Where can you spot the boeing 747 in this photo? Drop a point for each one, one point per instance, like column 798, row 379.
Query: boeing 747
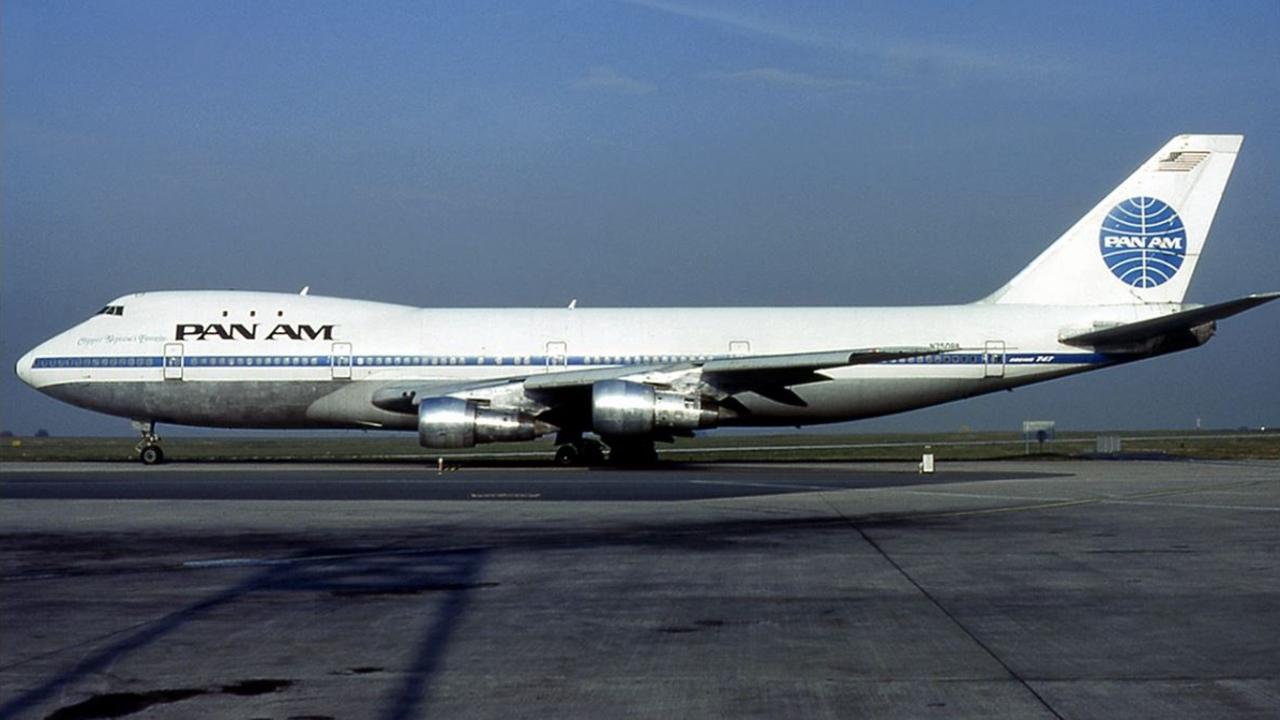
column 613, row 381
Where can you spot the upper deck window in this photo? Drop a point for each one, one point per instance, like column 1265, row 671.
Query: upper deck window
column 111, row 310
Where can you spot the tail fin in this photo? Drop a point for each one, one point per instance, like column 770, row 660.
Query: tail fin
column 1141, row 243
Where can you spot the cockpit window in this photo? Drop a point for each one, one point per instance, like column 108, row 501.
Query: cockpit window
column 111, row 310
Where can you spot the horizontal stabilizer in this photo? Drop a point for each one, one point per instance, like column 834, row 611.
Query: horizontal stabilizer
column 1146, row 330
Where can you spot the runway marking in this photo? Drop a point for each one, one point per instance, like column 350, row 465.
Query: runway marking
column 505, row 496
column 1187, row 490
column 1136, row 499
column 1205, row 506
column 233, row 562
column 985, row 496
column 775, row 486
column 711, row 503
column 1016, row 508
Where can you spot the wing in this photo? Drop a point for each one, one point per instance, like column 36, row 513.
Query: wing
column 717, row 377
column 767, row 371
column 1195, row 323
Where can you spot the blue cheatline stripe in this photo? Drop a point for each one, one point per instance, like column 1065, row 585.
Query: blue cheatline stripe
column 1049, row 358
column 99, row 361
column 518, row 361
column 259, row 360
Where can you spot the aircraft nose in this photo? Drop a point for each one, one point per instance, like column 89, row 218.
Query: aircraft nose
column 23, row 367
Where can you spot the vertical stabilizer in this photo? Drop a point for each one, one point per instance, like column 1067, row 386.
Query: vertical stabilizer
column 1142, row 242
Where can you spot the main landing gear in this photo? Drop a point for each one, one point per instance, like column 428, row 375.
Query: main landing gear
column 632, row 453
column 628, row 452
column 149, row 451
column 580, row 451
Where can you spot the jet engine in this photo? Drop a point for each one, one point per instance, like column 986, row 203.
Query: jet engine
column 619, row 407
column 446, row 422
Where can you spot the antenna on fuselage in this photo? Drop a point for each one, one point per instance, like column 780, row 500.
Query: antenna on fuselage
column 573, row 303
column 305, row 289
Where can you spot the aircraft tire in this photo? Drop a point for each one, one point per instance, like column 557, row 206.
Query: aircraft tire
column 151, row 455
column 567, row 455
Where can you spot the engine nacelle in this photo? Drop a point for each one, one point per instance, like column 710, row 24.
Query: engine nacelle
column 619, row 407
column 446, row 422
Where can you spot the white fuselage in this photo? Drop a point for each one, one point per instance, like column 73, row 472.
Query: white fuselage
column 251, row 359
column 1111, row 286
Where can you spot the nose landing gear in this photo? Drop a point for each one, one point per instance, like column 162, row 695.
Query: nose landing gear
column 149, row 451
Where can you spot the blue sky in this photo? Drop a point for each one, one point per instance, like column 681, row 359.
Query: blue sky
column 627, row 153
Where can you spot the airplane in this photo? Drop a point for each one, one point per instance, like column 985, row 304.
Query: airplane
column 610, row 382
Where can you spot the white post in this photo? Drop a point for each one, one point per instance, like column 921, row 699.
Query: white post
column 926, row 461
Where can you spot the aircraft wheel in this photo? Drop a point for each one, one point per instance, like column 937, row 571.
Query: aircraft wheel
column 567, row 455
column 151, row 455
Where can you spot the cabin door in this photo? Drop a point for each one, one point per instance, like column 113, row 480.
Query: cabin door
column 557, row 355
column 993, row 359
column 341, row 361
column 173, row 361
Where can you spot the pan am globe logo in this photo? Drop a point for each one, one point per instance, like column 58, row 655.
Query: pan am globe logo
column 1143, row 242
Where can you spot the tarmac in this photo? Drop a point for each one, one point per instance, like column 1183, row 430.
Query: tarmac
column 1085, row 589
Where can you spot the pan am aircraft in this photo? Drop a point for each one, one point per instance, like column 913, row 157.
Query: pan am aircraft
column 1108, row 291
